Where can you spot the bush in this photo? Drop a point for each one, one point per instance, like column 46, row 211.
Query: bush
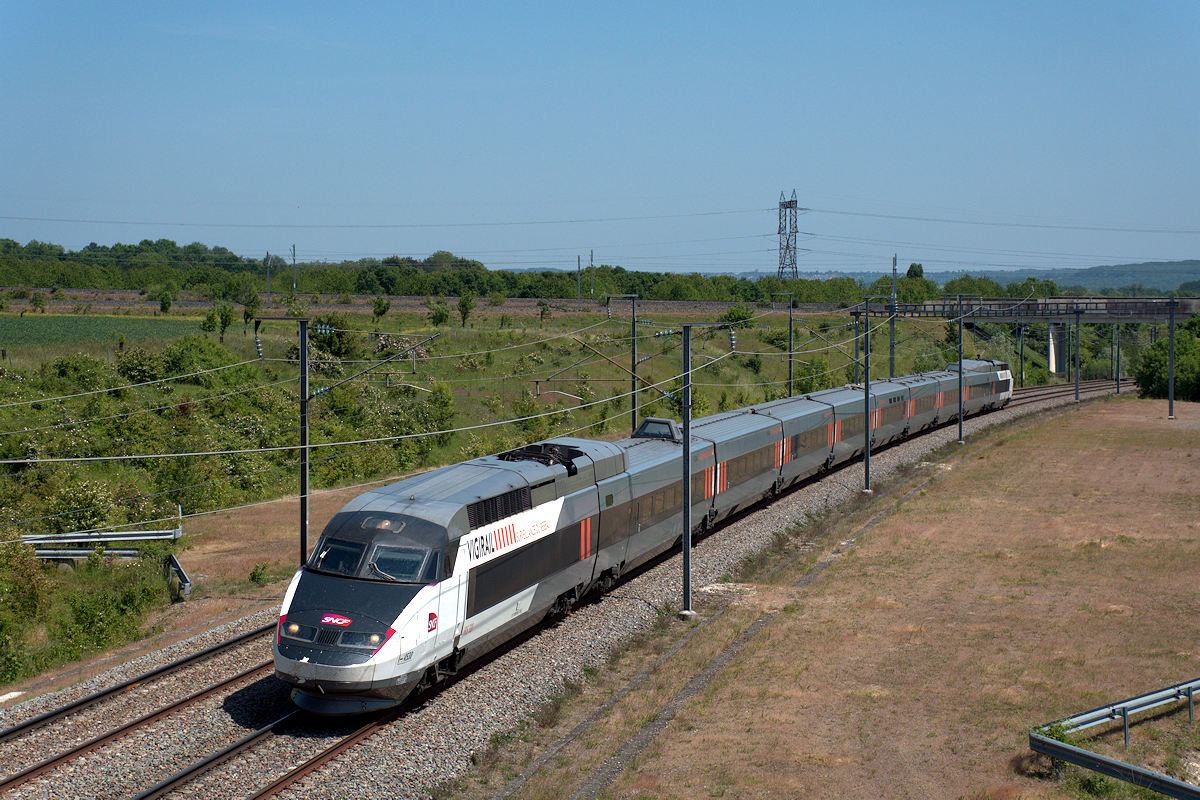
column 76, row 372
column 138, row 365
column 1152, row 371
column 737, row 316
column 340, row 343
column 192, row 354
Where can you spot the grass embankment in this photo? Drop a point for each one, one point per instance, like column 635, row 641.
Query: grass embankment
column 1046, row 569
column 484, row 372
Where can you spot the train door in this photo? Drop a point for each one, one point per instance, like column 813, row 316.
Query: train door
column 447, row 623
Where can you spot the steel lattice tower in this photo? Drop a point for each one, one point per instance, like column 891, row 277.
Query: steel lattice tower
column 788, row 229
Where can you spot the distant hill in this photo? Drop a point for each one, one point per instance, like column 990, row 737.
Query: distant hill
column 1162, row 275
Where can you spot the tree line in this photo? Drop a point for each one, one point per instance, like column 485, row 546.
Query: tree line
column 163, row 268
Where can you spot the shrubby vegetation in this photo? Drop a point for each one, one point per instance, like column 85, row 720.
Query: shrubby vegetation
column 1152, row 370
column 49, row 617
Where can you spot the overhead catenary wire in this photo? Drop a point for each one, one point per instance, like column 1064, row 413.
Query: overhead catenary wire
column 397, row 437
column 375, row 442
column 385, row 226
column 125, row 386
column 176, row 404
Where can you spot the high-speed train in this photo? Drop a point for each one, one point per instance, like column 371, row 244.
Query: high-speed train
column 411, row 581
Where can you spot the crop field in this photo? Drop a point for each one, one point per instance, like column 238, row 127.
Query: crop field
column 53, row 330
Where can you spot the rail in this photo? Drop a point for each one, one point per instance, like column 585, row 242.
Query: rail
column 84, row 702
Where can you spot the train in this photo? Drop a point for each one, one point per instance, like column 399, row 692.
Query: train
column 411, row 582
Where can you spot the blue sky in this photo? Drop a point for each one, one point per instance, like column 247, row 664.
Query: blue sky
column 258, row 126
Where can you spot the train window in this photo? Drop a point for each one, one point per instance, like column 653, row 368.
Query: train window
column 403, row 564
column 380, row 546
column 337, row 555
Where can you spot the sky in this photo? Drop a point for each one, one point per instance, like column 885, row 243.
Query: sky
column 965, row 136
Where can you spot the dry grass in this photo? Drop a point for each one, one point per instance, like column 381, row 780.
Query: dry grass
column 1050, row 569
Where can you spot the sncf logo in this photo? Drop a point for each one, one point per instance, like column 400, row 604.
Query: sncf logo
column 432, row 621
column 335, row 619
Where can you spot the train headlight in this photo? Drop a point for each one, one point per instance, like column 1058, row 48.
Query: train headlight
column 368, row 641
column 292, row 629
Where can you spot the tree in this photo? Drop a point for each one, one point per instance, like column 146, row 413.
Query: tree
column 210, row 321
column 1152, row 371
column 969, row 285
column 38, row 301
column 339, row 341
column 252, row 303
column 466, row 304
column 380, row 307
column 543, row 310
column 915, row 271
column 737, row 316
column 224, row 318
column 439, row 312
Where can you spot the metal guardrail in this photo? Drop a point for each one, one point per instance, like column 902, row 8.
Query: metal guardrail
column 49, row 546
column 105, row 537
column 1040, row 742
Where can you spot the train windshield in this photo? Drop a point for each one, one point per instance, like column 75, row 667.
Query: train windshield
column 380, row 547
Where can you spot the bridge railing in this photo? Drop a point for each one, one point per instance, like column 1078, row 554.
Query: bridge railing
column 1009, row 308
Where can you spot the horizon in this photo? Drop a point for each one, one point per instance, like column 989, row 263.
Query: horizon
column 962, row 138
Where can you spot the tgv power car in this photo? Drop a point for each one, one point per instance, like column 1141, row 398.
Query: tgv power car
column 411, row 581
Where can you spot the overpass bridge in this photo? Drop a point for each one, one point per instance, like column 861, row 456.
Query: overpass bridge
column 1104, row 310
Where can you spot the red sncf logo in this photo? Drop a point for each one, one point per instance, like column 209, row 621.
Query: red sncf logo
column 432, row 621
column 335, row 619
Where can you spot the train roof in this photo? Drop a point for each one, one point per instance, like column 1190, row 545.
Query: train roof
column 977, row 365
column 791, row 407
column 731, row 423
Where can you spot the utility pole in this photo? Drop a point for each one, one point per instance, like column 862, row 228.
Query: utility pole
column 892, row 325
column 303, row 441
column 268, row 263
column 867, row 400
column 1078, row 312
column 293, row 269
column 1021, row 339
column 1171, row 360
column 686, row 404
column 960, row 371
column 305, row 398
column 1118, row 339
column 592, row 272
column 791, row 354
column 578, row 283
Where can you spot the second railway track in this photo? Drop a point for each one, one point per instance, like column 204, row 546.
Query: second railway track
column 407, row 752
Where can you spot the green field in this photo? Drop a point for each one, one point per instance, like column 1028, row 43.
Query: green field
column 51, row 330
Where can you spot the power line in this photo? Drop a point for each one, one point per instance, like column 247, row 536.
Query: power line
column 176, row 404
column 990, row 224
column 126, row 386
column 388, row 226
column 373, row 443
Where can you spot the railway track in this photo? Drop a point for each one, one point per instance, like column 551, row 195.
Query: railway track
column 112, row 692
column 294, row 732
column 1035, row 394
column 25, row 735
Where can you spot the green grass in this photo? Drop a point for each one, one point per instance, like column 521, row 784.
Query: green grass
column 42, row 330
